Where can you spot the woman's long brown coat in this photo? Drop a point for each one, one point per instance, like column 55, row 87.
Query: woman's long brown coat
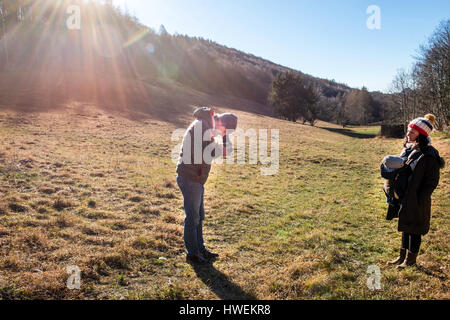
column 415, row 211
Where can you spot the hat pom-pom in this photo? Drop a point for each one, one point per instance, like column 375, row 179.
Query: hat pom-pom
column 430, row 117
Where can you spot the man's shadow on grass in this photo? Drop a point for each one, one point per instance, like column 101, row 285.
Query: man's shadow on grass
column 219, row 283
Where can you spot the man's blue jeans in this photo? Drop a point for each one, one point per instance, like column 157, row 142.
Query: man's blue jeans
column 194, row 214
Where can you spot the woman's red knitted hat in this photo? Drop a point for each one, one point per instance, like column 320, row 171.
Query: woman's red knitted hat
column 423, row 125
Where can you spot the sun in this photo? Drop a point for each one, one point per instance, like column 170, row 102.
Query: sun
column 122, row 2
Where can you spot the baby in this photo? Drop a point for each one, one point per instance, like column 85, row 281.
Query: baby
column 397, row 170
column 390, row 168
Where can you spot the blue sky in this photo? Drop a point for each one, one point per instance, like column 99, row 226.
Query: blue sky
column 324, row 38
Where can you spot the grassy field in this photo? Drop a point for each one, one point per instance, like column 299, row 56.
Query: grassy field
column 97, row 190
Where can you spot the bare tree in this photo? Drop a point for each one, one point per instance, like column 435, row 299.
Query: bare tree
column 358, row 107
column 3, row 37
column 433, row 74
column 401, row 89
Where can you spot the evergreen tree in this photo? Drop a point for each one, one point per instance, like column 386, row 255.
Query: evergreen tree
column 291, row 99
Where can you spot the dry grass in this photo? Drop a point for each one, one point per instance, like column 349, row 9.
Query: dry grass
column 98, row 191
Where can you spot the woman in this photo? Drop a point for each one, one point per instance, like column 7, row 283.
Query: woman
column 415, row 210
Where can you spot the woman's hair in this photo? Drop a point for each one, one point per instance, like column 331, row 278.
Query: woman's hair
column 421, row 143
column 441, row 162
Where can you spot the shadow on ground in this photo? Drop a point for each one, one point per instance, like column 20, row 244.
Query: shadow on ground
column 220, row 284
column 132, row 98
column 351, row 133
column 438, row 274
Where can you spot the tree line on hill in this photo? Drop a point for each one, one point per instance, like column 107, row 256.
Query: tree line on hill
column 112, row 43
column 423, row 89
column 294, row 100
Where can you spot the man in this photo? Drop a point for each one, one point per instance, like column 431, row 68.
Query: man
column 198, row 150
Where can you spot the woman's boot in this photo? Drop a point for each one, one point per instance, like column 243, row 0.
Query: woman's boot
column 410, row 260
column 400, row 258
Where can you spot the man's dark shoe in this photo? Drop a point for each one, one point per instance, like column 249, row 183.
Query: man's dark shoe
column 191, row 258
column 209, row 255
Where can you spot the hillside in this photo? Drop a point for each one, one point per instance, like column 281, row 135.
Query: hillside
column 117, row 63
